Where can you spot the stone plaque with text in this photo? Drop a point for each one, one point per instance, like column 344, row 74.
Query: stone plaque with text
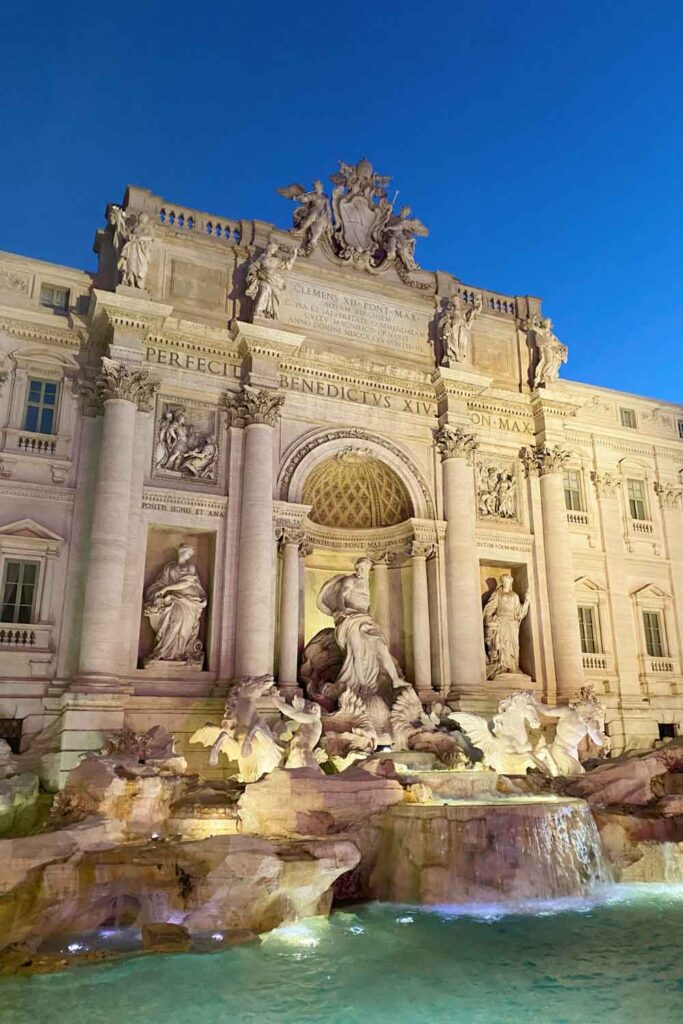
column 357, row 316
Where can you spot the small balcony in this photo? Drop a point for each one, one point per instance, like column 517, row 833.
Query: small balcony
column 44, row 446
column 577, row 518
column 642, row 527
column 598, row 662
column 26, row 649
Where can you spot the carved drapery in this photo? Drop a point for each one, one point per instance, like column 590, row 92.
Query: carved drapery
column 118, row 380
column 455, row 443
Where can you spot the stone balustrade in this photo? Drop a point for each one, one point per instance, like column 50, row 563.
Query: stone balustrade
column 170, row 215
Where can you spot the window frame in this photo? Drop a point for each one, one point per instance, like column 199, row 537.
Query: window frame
column 633, row 500
column 36, row 588
column 569, row 490
column 628, row 414
column 658, row 617
column 593, row 611
column 41, row 405
column 59, row 308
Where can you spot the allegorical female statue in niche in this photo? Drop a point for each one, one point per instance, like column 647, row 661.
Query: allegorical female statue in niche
column 174, row 604
column 503, row 615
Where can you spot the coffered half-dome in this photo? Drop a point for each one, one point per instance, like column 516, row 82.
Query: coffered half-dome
column 353, row 490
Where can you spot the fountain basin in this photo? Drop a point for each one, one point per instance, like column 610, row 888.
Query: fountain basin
column 478, row 850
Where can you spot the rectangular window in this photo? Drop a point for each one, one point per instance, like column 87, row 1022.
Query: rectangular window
column 589, row 635
column 19, row 589
column 654, row 635
column 41, row 406
column 628, row 418
column 573, row 498
column 680, row 429
column 636, row 499
column 54, row 297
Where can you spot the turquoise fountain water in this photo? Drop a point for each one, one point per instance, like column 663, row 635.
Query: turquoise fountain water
column 610, row 959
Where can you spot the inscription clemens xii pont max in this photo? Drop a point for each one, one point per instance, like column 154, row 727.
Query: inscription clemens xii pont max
column 356, row 317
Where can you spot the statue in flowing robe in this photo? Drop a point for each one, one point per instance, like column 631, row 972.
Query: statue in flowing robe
column 346, row 597
column 503, row 615
column 174, row 603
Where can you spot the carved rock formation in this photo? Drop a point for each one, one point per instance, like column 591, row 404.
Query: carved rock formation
column 70, row 881
column 304, row 802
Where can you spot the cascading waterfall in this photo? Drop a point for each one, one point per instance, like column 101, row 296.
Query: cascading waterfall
column 468, row 850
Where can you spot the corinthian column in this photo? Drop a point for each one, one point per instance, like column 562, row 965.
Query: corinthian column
column 564, row 623
column 465, row 636
column 123, row 389
column 291, row 541
column 422, row 655
column 255, row 409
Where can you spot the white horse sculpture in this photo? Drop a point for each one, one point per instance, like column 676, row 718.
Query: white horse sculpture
column 504, row 740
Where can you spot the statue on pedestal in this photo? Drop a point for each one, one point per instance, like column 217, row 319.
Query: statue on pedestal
column 454, row 328
column 503, row 615
column 174, row 603
column 265, row 281
column 133, row 245
column 551, row 352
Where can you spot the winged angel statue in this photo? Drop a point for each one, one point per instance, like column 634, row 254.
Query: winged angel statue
column 358, row 223
column 313, row 217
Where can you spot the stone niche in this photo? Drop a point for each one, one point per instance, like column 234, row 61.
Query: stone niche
column 162, row 547
column 489, row 576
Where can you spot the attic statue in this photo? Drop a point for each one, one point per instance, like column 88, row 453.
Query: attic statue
column 265, row 282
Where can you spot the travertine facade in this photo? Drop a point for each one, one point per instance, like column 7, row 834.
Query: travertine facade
column 283, row 403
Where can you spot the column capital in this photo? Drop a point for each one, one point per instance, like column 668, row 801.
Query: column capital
column 606, row 484
column 119, row 380
column 543, row 459
column 455, row 443
column 253, row 405
column 670, row 496
column 290, row 535
column 422, row 549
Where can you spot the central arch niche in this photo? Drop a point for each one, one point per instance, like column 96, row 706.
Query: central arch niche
column 353, row 490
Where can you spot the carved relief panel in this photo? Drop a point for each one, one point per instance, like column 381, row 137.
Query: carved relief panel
column 186, row 441
column 497, row 489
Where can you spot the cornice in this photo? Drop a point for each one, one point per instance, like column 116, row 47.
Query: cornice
column 29, row 330
column 384, row 379
column 38, row 492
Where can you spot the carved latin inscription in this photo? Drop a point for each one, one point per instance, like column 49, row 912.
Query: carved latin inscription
column 357, row 317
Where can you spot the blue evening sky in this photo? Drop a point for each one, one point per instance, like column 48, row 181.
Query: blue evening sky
column 541, row 143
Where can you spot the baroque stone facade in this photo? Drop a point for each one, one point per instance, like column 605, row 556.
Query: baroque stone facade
column 281, row 403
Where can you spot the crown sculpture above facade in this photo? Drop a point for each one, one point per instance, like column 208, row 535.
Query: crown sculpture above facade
column 358, row 223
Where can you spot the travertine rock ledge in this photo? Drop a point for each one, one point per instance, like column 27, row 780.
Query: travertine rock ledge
column 73, row 880
column 305, row 802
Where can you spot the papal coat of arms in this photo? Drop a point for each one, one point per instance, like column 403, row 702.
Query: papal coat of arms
column 358, row 223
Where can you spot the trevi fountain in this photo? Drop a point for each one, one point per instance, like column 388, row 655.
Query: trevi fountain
column 315, row 732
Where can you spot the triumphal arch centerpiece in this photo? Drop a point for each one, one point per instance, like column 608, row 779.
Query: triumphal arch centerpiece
column 243, row 452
